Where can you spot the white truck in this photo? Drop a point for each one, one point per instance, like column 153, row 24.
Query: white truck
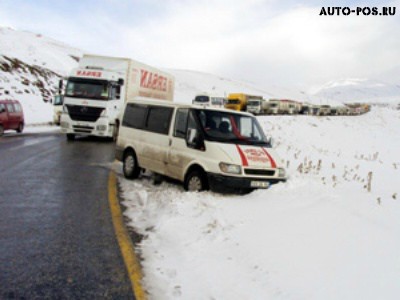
column 96, row 91
column 257, row 106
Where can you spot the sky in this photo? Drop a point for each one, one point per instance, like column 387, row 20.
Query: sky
column 287, row 43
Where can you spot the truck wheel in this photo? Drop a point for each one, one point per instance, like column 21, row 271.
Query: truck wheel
column 130, row 165
column 196, row 181
column 70, row 136
column 20, row 127
column 1, row 130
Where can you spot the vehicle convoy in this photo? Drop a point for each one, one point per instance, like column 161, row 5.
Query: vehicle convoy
column 239, row 101
column 205, row 148
column 257, row 106
column 96, row 91
column 11, row 116
column 209, row 100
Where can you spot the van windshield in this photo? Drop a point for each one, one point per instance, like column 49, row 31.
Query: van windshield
column 230, row 127
column 87, row 88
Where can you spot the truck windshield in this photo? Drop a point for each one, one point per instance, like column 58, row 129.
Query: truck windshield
column 232, row 128
column 202, row 99
column 233, row 101
column 253, row 103
column 87, row 88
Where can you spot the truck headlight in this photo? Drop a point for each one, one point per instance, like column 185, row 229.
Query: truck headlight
column 229, row 168
column 101, row 127
column 281, row 172
column 103, row 113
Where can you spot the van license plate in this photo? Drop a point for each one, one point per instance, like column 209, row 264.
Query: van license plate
column 259, row 184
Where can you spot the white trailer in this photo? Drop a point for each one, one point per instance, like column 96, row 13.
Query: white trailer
column 96, row 91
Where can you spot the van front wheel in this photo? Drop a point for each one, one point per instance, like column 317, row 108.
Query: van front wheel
column 196, row 181
column 130, row 166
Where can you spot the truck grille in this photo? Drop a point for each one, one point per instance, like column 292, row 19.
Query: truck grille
column 259, row 172
column 84, row 113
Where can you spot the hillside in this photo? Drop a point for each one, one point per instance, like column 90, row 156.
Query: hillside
column 31, row 66
column 358, row 90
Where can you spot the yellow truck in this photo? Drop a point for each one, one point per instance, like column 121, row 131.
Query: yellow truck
column 238, row 101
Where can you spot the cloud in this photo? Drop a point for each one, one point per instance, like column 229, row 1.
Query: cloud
column 271, row 42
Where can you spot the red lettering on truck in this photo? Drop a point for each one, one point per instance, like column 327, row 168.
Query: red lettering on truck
column 153, row 81
column 88, row 73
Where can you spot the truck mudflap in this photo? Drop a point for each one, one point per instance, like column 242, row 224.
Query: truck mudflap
column 223, row 183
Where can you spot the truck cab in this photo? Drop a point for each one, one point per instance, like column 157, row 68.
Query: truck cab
column 92, row 102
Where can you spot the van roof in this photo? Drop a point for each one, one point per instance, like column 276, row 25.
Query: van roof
column 8, row 101
column 151, row 101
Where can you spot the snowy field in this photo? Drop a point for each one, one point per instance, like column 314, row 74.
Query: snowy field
column 332, row 231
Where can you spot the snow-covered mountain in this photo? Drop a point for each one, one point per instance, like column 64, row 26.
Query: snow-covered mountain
column 31, row 66
column 358, row 90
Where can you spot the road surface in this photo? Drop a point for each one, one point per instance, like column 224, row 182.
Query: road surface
column 57, row 239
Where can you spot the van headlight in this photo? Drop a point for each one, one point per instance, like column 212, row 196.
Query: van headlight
column 229, row 168
column 281, row 172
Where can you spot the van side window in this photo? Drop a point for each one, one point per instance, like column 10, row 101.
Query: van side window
column 158, row 119
column 2, row 107
column 17, row 107
column 134, row 116
column 10, row 108
column 181, row 120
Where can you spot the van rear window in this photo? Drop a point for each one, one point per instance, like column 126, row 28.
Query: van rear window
column 147, row 117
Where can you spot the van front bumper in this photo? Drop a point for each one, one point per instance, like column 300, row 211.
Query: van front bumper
column 218, row 182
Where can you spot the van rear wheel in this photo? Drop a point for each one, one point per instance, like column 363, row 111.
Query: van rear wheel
column 196, row 181
column 20, row 127
column 130, row 166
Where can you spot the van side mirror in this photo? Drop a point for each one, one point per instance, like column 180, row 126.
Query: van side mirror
column 120, row 81
column 2, row 110
column 194, row 139
column 270, row 141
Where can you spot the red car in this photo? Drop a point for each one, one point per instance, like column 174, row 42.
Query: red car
column 11, row 116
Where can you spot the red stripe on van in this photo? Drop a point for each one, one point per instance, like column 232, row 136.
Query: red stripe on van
column 273, row 164
column 242, row 156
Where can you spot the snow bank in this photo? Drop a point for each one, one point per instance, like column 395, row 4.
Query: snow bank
column 327, row 233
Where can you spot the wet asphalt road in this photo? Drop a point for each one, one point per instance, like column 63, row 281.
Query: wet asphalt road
column 57, row 240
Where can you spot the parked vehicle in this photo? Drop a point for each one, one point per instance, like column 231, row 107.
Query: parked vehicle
column 58, row 101
column 239, row 101
column 11, row 116
column 324, row 110
column 204, row 148
column 283, row 107
column 207, row 100
column 257, row 106
column 96, row 91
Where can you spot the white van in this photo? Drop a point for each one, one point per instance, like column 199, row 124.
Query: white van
column 205, row 148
